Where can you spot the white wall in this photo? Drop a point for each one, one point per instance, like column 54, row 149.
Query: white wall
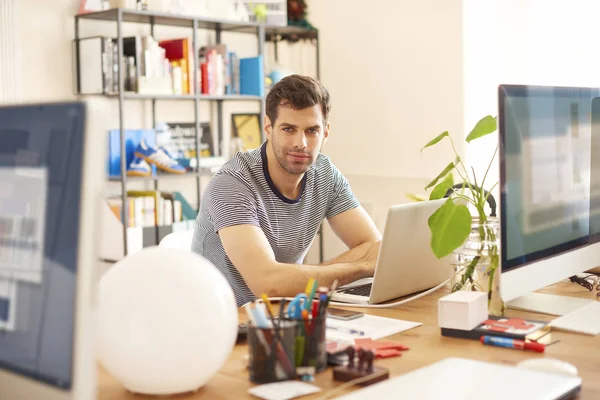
column 537, row 42
column 394, row 70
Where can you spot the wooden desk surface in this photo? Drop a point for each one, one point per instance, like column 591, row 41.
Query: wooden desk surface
column 426, row 346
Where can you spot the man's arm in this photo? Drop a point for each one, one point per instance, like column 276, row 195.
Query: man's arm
column 358, row 232
column 250, row 252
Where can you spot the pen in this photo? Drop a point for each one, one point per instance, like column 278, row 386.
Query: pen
column 309, row 286
column 347, row 330
column 322, row 305
column 265, row 332
column 259, row 332
column 305, row 318
column 311, row 295
column 315, row 309
column 267, row 302
column 513, row 343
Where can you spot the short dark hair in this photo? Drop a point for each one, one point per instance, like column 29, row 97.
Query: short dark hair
column 298, row 92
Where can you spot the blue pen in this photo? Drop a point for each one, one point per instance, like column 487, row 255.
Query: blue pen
column 322, row 304
column 347, row 330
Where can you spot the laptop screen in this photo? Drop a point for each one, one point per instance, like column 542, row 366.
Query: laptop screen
column 41, row 151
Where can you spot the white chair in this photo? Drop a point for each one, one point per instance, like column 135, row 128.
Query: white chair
column 178, row 240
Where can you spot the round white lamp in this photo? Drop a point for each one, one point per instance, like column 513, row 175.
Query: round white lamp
column 167, row 321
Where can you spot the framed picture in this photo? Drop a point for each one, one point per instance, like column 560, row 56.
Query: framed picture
column 247, row 128
column 183, row 138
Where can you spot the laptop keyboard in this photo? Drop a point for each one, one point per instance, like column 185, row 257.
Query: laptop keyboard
column 362, row 290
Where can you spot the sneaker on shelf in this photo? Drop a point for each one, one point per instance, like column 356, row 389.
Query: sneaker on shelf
column 158, row 157
column 139, row 167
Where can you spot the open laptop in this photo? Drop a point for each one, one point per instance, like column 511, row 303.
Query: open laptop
column 406, row 263
column 52, row 171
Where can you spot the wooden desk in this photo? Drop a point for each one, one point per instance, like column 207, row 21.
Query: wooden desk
column 426, row 346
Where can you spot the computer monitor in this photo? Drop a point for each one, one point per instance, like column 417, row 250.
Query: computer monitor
column 549, row 174
column 51, row 173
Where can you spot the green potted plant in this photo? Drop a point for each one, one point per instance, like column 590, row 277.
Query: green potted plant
column 471, row 241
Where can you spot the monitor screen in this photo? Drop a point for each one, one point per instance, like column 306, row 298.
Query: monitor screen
column 548, row 170
column 40, row 184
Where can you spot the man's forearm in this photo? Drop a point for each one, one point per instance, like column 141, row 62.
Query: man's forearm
column 350, row 256
column 287, row 280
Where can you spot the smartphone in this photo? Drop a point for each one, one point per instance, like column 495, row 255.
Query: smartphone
column 344, row 315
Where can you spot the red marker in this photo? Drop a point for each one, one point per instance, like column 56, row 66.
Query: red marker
column 315, row 308
column 513, row 343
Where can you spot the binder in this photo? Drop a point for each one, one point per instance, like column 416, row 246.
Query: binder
column 94, row 68
column 252, row 77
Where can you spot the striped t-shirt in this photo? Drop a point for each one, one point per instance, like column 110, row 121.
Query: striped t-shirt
column 242, row 192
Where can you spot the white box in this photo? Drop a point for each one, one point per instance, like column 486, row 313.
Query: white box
column 462, row 310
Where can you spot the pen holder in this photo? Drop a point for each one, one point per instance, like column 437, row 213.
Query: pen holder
column 272, row 359
column 310, row 345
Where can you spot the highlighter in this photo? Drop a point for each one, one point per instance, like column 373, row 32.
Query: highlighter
column 513, row 343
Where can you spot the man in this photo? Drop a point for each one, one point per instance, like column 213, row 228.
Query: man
column 260, row 213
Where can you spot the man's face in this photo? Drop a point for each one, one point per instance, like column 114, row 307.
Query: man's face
column 297, row 137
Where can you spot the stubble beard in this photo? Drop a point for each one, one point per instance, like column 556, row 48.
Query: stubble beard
column 291, row 168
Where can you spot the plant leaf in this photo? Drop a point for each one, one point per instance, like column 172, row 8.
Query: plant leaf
column 436, row 140
column 442, row 188
column 485, row 126
column 450, row 226
column 442, row 174
column 415, row 197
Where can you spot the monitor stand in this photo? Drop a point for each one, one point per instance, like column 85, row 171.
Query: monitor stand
column 548, row 303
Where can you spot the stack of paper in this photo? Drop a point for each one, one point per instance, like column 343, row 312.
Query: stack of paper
column 367, row 326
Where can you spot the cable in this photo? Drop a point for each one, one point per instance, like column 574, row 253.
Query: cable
column 350, row 383
column 397, row 303
column 387, row 305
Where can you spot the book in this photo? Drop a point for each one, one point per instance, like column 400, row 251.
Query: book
column 252, row 80
column 217, row 59
column 514, row 328
column 178, row 50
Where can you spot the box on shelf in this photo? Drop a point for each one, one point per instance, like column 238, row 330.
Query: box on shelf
column 276, row 11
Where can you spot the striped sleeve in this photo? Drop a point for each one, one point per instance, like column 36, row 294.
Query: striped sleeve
column 343, row 198
column 230, row 202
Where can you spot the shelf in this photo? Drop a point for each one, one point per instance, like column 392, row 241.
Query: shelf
column 230, row 97
column 131, row 95
column 168, row 19
column 237, row 97
column 158, row 177
column 290, row 32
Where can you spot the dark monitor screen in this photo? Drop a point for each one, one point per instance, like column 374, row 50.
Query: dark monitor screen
column 547, row 170
column 41, row 151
